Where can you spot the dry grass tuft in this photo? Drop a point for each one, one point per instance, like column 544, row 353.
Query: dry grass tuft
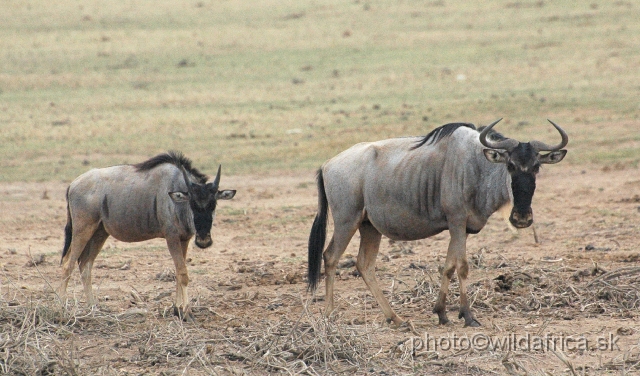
column 42, row 337
column 559, row 292
column 310, row 344
column 30, row 340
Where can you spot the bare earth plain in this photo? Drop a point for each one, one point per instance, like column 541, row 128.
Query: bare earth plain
column 568, row 305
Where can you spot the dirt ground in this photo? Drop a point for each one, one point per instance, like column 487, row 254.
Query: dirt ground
column 579, row 287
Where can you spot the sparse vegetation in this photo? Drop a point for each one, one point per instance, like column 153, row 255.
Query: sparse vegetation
column 41, row 336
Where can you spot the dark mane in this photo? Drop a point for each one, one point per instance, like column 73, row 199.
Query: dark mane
column 175, row 158
column 441, row 132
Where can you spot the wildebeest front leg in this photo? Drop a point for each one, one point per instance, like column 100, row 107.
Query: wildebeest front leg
column 366, row 265
column 462, row 267
column 177, row 248
column 456, row 261
column 441, row 304
column 455, row 252
column 187, row 315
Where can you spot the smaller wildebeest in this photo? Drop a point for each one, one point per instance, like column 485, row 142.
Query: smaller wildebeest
column 163, row 197
column 412, row 188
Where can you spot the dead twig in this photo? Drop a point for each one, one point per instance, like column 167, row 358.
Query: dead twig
column 566, row 361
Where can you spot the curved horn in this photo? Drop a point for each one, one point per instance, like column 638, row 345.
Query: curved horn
column 541, row 146
column 506, row 144
column 186, row 179
column 216, row 181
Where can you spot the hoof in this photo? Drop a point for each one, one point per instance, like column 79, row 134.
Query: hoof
column 442, row 315
column 468, row 318
column 396, row 322
column 473, row 323
column 184, row 315
column 442, row 319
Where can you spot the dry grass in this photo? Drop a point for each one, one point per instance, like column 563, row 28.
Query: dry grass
column 558, row 293
column 42, row 337
column 273, row 86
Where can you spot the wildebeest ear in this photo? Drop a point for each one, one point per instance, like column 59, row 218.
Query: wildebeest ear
column 226, row 194
column 495, row 156
column 179, row 196
column 553, row 157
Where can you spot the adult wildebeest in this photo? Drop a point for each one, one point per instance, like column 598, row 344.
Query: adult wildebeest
column 452, row 179
column 163, row 197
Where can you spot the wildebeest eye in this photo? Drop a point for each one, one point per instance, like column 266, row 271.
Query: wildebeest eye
column 511, row 166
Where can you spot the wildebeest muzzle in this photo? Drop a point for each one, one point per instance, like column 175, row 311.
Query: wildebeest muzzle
column 203, row 242
column 203, row 220
column 523, row 186
column 521, row 219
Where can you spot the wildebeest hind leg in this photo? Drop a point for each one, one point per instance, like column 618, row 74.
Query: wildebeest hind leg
column 366, row 265
column 86, row 259
column 342, row 235
column 80, row 237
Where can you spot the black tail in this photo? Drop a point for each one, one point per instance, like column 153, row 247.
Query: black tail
column 68, row 231
column 318, row 236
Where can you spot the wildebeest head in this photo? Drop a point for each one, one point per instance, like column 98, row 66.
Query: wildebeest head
column 523, row 160
column 203, row 199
